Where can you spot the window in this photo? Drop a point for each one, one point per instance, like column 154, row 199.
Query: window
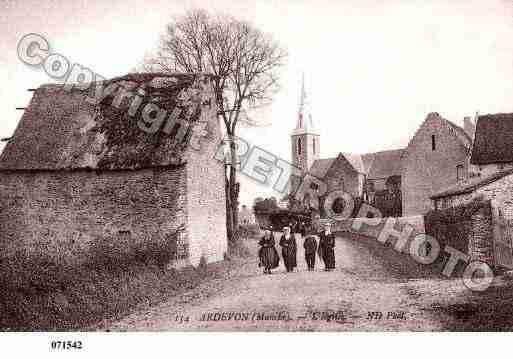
column 299, row 146
column 313, row 145
column 460, row 175
column 433, row 143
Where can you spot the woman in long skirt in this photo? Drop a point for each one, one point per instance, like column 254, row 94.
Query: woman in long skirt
column 269, row 258
column 289, row 249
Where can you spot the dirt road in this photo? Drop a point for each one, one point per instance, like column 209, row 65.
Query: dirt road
column 367, row 291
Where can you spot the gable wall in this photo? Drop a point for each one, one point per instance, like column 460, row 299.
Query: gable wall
column 342, row 176
column 426, row 172
column 206, row 199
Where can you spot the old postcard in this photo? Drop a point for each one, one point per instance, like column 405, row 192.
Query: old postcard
column 238, row 166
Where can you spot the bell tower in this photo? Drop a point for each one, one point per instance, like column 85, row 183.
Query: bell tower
column 305, row 139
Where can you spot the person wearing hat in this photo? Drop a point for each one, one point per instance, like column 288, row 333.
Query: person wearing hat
column 269, row 258
column 288, row 249
column 326, row 248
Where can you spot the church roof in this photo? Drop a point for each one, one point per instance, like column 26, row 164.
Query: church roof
column 375, row 165
column 355, row 161
column 61, row 129
column 385, row 164
column 493, row 139
column 321, row 166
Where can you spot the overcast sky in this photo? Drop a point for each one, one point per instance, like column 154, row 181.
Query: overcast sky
column 373, row 69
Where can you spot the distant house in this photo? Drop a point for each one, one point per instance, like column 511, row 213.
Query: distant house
column 76, row 173
column 437, row 157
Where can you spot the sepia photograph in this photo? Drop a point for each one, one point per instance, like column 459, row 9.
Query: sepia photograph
column 183, row 167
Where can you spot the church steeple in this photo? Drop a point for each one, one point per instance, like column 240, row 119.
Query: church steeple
column 304, row 122
column 305, row 137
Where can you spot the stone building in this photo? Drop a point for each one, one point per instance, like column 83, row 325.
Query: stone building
column 491, row 166
column 80, row 169
column 436, row 158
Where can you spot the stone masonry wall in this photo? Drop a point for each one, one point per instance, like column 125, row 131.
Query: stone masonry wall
column 425, row 171
column 62, row 214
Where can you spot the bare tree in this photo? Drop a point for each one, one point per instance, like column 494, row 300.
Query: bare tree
column 245, row 62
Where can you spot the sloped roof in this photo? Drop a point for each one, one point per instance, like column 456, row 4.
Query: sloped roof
column 321, row 166
column 471, row 184
column 460, row 133
column 385, row 164
column 355, row 160
column 60, row 129
column 381, row 164
column 493, row 141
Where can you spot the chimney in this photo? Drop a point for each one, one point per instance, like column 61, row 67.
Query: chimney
column 469, row 127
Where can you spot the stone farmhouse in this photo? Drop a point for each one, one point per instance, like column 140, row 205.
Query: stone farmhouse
column 398, row 182
column 77, row 171
column 491, row 168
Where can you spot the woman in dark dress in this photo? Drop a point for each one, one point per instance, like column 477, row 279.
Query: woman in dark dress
column 288, row 249
column 269, row 258
column 326, row 248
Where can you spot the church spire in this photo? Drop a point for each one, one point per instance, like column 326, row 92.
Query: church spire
column 305, row 122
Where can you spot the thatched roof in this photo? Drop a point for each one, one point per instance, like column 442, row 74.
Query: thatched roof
column 62, row 129
column 493, row 141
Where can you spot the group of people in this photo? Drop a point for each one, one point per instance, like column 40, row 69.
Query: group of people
column 324, row 247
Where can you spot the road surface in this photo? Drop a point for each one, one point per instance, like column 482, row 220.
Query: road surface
column 372, row 289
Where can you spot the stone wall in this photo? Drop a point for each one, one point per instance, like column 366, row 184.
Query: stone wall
column 426, row 172
column 466, row 227
column 64, row 214
column 374, row 231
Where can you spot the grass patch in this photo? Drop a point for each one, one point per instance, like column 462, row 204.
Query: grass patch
column 41, row 294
